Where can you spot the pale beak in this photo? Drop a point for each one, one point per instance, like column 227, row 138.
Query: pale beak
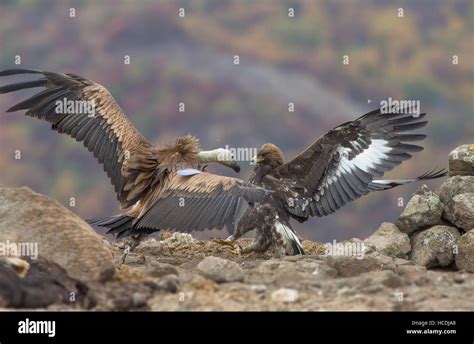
column 232, row 164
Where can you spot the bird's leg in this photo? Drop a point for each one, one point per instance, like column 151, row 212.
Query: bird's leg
column 230, row 241
column 131, row 244
column 259, row 245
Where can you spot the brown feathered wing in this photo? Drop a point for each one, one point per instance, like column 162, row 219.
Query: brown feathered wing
column 105, row 130
column 198, row 202
column 341, row 165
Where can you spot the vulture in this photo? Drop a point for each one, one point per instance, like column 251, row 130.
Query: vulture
column 165, row 187
column 337, row 168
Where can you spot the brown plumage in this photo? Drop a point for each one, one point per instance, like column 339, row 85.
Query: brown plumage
column 336, row 169
column 164, row 184
column 270, row 155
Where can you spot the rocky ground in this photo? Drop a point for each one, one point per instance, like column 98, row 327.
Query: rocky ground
column 425, row 261
column 181, row 273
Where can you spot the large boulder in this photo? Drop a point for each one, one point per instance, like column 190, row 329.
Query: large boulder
column 424, row 209
column 41, row 224
column 435, row 246
column 389, row 240
column 454, row 186
column 465, row 256
column 461, row 161
column 460, row 211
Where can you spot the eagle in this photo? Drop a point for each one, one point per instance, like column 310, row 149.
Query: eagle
column 337, row 168
column 163, row 187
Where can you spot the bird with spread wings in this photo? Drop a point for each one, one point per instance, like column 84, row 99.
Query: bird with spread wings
column 339, row 167
column 164, row 186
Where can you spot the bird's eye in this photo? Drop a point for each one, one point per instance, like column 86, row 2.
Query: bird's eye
column 232, row 156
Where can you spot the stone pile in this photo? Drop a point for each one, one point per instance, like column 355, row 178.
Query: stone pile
column 436, row 228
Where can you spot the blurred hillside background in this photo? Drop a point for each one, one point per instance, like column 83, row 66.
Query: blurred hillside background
column 282, row 60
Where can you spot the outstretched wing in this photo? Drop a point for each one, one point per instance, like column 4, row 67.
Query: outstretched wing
column 91, row 116
column 198, row 202
column 341, row 165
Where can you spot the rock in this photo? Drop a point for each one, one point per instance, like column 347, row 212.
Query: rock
column 308, row 265
column 272, row 266
column 133, row 259
column 58, row 234
column 411, row 270
column 424, row 209
column 317, row 268
column 288, row 278
column 169, row 283
column 361, row 248
column 285, row 295
column 45, row 283
column 149, row 247
column 460, row 211
column 258, row 288
column 325, row 271
column 461, row 161
column 454, row 186
column 139, row 300
column 292, row 258
column 353, row 247
column 348, row 266
column 220, row 270
column 124, row 303
column 389, row 240
column 203, row 283
column 465, row 256
column 385, row 278
column 177, row 238
column 434, row 246
column 269, row 266
column 157, row 269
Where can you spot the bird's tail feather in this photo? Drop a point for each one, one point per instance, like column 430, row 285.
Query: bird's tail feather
column 120, row 225
column 385, row 184
column 290, row 238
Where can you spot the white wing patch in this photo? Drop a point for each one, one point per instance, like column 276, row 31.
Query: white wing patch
column 366, row 160
column 355, row 154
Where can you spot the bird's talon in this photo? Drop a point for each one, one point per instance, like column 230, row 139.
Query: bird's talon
column 237, row 250
column 234, row 247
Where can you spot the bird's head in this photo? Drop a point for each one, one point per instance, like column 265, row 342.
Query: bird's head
column 221, row 156
column 269, row 155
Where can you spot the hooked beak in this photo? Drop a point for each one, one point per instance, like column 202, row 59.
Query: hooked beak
column 232, row 164
column 256, row 160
